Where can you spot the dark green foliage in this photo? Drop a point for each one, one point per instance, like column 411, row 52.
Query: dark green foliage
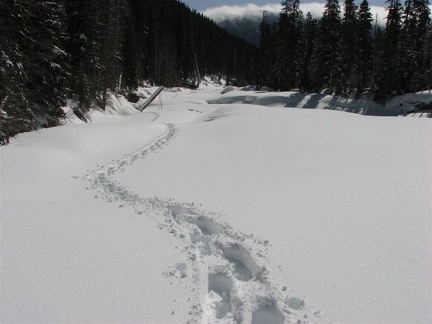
column 427, row 59
column 345, row 55
column 33, row 63
column 267, row 50
column 349, row 45
column 363, row 61
column 331, row 51
column 287, row 48
column 379, row 68
column 307, row 46
column 51, row 51
column 96, row 42
column 413, row 38
column 392, row 48
column 177, row 45
column 48, row 69
column 12, row 60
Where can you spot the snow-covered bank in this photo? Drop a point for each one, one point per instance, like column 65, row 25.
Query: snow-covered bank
column 400, row 105
column 245, row 214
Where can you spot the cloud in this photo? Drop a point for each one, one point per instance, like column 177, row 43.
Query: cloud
column 379, row 13
column 255, row 11
column 249, row 10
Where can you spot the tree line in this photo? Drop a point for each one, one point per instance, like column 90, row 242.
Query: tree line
column 52, row 51
column 345, row 52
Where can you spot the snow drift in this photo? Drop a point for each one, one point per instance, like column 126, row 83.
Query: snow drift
column 228, row 212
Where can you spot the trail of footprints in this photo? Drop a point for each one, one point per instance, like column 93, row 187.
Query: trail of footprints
column 238, row 288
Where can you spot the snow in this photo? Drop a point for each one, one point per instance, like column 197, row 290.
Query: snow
column 215, row 207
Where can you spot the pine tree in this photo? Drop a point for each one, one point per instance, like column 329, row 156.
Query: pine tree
column 317, row 65
column 379, row 66
column 97, row 45
column 131, row 63
column 414, row 27
column 34, row 65
column 349, row 42
column 289, row 35
column 427, row 58
column 265, row 30
column 423, row 14
column 48, row 63
column 82, row 47
column 307, row 49
column 330, row 31
column 363, row 65
column 111, row 33
column 392, row 43
column 94, row 47
column 13, row 60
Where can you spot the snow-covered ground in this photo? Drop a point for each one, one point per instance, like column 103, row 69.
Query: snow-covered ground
column 219, row 208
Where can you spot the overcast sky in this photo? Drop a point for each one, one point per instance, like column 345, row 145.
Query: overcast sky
column 219, row 10
column 201, row 5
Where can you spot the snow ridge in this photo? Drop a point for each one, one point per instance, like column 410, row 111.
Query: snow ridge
column 234, row 284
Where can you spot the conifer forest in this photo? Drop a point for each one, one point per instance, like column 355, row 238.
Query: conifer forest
column 345, row 52
column 53, row 51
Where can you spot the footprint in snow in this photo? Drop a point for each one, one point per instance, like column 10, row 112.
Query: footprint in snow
column 238, row 287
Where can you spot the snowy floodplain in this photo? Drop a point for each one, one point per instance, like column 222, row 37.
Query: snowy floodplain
column 219, row 208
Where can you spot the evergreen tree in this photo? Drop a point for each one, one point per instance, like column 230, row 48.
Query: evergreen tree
column 307, row 49
column 94, row 47
column 131, row 63
column 48, row 63
column 289, row 36
column 264, row 50
column 427, row 58
column 111, row 32
column 348, row 45
column 343, row 55
column 12, row 60
column 330, row 33
column 414, row 28
column 392, row 58
column 97, row 43
column 379, row 65
column 363, row 65
column 423, row 15
column 267, row 48
column 34, row 65
column 82, row 47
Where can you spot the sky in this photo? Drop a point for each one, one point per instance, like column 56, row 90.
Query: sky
column 202, row 5
column 219, row 10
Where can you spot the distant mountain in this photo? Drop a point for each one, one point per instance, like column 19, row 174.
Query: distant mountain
column 244, row 27
column 243, row 21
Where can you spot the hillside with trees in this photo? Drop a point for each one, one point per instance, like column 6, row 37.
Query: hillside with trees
column 51, row 51
column 83, row 50
column 345, row 53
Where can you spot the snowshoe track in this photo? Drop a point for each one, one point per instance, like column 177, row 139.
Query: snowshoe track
column 235, row 285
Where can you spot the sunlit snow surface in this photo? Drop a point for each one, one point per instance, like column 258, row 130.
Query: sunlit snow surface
column 219, row 208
